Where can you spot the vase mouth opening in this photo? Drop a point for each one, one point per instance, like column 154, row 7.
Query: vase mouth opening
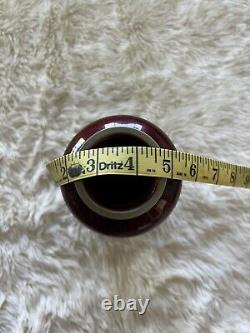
column 119, row 197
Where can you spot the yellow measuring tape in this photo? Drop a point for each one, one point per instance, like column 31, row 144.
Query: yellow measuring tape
column 147, row 161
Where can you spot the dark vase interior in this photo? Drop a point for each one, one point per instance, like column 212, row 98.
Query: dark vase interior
column 120, row 192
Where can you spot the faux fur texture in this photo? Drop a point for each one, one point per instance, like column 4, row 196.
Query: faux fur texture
column 182, row 64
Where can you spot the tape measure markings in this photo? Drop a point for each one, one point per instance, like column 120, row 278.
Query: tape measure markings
column 147, row 161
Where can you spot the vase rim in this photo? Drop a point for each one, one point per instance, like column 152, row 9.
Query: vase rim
column 118, row 129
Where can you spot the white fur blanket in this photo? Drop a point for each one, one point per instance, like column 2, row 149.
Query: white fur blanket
column 182, row 64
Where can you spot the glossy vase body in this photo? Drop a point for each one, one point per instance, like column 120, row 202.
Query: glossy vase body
column 118, row 205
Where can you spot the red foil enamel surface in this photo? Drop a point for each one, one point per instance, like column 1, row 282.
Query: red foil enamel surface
column 122, row 192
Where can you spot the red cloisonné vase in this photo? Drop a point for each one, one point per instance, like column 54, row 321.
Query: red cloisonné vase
column 118, row 205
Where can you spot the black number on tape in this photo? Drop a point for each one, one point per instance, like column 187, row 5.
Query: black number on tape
column 216, row 171
column 91, row 165
column 193, row 170
column 129, row 164
column 233, row 177
column 247, row 180
column 63, row 171
column 166, row 166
